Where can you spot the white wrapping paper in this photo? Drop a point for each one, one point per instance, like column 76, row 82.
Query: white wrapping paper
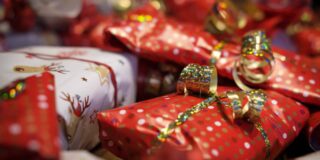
column 82, row 87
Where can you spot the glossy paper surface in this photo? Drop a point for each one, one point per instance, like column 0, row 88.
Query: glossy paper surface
column 163, row 39
column 130, row 131
column 28, row 124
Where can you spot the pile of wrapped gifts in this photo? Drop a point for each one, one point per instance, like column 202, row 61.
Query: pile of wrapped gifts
column 159, row 79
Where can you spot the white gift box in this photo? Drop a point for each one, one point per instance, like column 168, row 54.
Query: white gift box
column 85, row 80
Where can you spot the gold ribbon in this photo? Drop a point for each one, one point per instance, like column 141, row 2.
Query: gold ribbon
column 141, row 18
column 256, row 61
column 203, row 80
column 251, row 110
column 216, row 52
column 224, row 17
column 198, row 79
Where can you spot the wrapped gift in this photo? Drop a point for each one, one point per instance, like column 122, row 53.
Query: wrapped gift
column 148, row 34
column 252, row 124
column 28, row 122
column 314, row 131
column 87, row 81
column 225, row 18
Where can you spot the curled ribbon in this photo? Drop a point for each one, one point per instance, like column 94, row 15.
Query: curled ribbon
column 256, row 61
column 203, row 79
column 199, row 79
column 251, row 110
column 224, row 17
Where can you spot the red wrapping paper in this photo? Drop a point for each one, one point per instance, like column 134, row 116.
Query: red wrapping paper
column 19, row 15
column 163, row 39
column 129, row 131
column 295, row 77
column 283, row 7
column 160, row 38
column 308, row 37
column 184, row 10
column 88, row 28
column 28, row 123
column 314, row 130
column 89, row 31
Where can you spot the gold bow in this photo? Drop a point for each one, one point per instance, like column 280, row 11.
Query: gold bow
column 251, row 110
column 203, row 80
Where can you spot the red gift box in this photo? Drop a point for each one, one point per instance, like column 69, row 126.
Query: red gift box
column 150, row 35
column 29, row 126
column 129, row 132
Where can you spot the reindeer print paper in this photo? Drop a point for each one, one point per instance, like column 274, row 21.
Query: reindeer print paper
column 87, row 81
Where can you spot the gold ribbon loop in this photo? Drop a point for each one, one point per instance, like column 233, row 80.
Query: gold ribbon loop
column 198, row 79
column 251, row 110
column 203, row 79
column 225, row 17
column 236, row 104
column 257, row 99
column 256, row 61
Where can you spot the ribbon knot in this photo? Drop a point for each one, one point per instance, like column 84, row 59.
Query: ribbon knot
column 203, row 80
column 245, row 104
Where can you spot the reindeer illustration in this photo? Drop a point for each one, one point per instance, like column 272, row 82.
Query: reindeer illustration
column 102, row 71
column 53, row 67
column 77, row 108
